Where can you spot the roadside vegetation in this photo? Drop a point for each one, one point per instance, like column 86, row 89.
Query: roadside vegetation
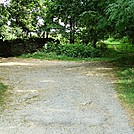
column 3, row 90
column 122, row 53
column 125, row 86
column 66, row 52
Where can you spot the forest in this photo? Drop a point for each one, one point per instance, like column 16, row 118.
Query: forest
column 26, row 26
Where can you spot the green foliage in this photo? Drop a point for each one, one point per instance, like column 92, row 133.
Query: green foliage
column 120, row 46
column 124, row 40
column 93, row 22
column 78, row 21
column 23, row 14
column 3, row 89
column 4, row 16
column 82, row 19
column 23, row 18
column 73, row 50
column 65, row 52
column 126, row 85
column 48, row 56
column 124, row 62
column 68, row 13
column 52, row 47
column 121, row 12
column 121, row 17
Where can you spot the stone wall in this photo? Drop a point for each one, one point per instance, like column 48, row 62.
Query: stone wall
column 19, row 46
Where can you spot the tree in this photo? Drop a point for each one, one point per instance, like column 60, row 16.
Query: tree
column 93, row 22
column 67, row 12
column 84, row 18
column 121, row 17
column 24, row 14
column 47, row 20
column 4, row 15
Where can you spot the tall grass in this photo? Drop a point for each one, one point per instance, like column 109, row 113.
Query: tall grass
column 126, row 85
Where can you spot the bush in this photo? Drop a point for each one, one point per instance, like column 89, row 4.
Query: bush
column 124, row 40
column 73, row 50
column 102, row 46
column 52, row 47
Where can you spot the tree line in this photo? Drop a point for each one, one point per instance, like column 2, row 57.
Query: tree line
column 83, row 21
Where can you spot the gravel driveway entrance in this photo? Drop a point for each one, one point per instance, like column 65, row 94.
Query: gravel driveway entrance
column 56, row 97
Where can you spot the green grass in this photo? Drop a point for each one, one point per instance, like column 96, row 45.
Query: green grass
column 125, row 86
column 125, row 89
column 54, row 56
column 48, row 56
column 124, row 61
column 3, row 89
column 123, row 47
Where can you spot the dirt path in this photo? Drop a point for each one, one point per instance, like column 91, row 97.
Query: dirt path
column 52, row 97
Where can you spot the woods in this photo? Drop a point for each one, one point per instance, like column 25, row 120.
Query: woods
column 74, row 21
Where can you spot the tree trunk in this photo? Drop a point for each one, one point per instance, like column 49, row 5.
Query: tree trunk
column 71, row 31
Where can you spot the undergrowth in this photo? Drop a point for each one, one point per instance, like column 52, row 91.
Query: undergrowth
column 65, row 52
column 123, row 57
column 126, row 85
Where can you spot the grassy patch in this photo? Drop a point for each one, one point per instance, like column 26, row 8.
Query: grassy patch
column 123, row 57
column 3, row 89
column 125, row 89
column 54, row 56
column 126, row 85
column 48, row 56
column 119, row 46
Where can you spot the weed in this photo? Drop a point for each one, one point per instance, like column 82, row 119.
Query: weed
column 3, row 89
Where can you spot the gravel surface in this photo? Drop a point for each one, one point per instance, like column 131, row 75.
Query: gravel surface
column 58, row 97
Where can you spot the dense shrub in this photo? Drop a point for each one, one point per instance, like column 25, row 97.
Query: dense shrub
column 73, row 50
column 102, row 46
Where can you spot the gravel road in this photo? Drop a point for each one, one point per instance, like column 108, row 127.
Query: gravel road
column 58, row 97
